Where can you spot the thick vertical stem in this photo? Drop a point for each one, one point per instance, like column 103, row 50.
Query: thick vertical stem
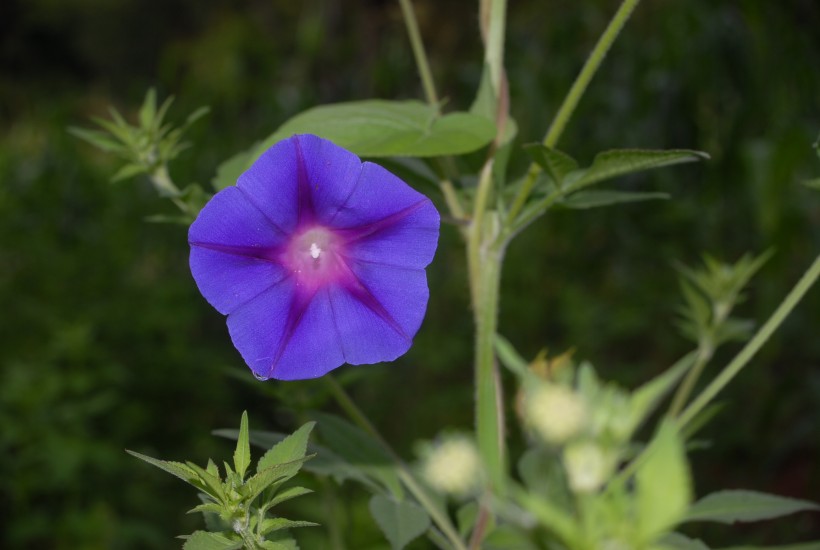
column 489, row 400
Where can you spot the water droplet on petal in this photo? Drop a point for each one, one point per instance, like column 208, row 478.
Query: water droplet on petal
column 260, row 377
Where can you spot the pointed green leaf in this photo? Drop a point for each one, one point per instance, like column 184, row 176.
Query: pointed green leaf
column 196, row 115
column 619, row 162
column 377, row 128
column 98, row 139
column 210, row 507
column 289, row 449
column 596, row 199
column 646, row 398
column 741, row 506
column 148, row 109
column 663, row 485
column 556, row 164
column 177, row 469
column 401, row 522
column 128, row 171
column 203, row 540
column 213, row 485
column 267, row 477
column 287, row 494
column 242, row 454
column 270, row 525
column 286, row 544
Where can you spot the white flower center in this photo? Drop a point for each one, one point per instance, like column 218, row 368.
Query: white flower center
column 315, row 251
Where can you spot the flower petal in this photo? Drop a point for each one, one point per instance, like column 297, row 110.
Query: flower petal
column 378, row 317
column 378, row 195
column 407, row 238
column 231, row 220
column 286, row 335
column 227, row 280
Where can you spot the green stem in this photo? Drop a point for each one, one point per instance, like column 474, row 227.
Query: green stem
column 745, row 355
column 419, row 53
column 489, row 398
column 494, row 51
column 358, row 417
column 705, row 353
column 574, row 95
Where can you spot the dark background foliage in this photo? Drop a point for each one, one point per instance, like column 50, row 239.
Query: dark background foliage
column 106, row 343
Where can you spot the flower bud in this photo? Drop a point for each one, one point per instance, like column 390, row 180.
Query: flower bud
column 555, row 413
column 454, row 467
column 587, row 466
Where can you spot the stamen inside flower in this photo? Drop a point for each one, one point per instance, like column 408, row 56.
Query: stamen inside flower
column 314, row 257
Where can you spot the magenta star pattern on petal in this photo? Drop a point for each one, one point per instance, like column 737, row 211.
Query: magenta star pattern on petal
column 317, row 259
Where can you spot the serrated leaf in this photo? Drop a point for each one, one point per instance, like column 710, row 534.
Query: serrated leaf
column 289, row 449
column 287, row 494
column 203, row 540
column 209, row 507
column 619, row 162
column 242, row 454
column 176, row 469
column 378, row 128
column 584, row 200
column 556, row 164
column 356, row 447
column 270, row 525
column 744, row 506
column 663, row 487
column 401, row 522
column 212, row 483
column 267, row 477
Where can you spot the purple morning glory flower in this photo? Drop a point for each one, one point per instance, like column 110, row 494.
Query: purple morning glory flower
column 317, row 259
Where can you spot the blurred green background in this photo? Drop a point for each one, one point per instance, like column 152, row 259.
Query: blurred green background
column 105, row 342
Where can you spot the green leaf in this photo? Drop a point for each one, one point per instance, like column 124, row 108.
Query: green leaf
column 289, row 449
column 208, row 507
column 799, row 546
column 98, row 139
column 619, row 162
column 242, row 454
column 400, row 522
column 213, row 485
column 203, row 540
column 556, row 164
column 741, row 506
column 275, row 524
column 595, row 199
column 663, row 484
column 646, row 398
column 287, row 494
column 149, row 109
column 377, row 128
column 676, row 541
column 177, row 469
column 229, row 171
column 128, row 171
column 275, row 474
column 812, row 183
column 286, row 544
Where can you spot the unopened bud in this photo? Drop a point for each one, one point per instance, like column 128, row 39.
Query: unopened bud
column 454, row 467
column 587, row 466
column 556, row 413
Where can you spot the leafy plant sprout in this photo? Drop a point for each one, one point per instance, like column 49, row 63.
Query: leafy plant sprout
column 278, row 250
